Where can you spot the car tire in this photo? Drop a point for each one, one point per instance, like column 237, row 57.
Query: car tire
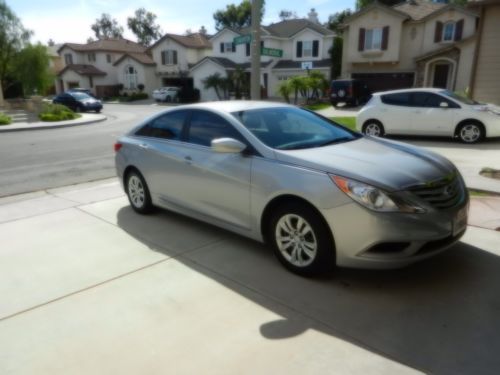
column 373, row 128
column 309, row 250
column 471, row 132
column 334, row 104
column 168, row 99
column 97, row 111
column 138, row 193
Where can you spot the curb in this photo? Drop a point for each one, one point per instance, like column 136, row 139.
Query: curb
column 51, row 126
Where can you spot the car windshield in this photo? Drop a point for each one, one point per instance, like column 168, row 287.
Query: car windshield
column 80, row 96
column 459, row 98
column 286, row 128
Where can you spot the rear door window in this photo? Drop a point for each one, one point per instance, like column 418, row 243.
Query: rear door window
column 400, row 99
column 167, row 126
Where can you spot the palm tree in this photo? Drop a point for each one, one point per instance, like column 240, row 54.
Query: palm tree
column 298, row 84
column 285, row 90
column 214, row 81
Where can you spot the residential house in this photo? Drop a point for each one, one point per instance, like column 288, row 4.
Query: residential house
column 55, row 64
column 485, row 77
column 300, row 40
column 175, row 54
column 414, row 43
column 92, row 65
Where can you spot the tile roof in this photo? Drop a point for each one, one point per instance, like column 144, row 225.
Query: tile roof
column 418, row 9
column 288, row 28
column 110, row 45
column 83, row 70
column 142, row 58
column 290, row 64
column 195, row 40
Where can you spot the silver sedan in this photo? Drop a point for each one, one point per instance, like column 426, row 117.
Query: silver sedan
column 320, row 194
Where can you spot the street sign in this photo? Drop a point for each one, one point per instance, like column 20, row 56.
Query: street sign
column 307, row 65
column 242, row 39
column 273, row 52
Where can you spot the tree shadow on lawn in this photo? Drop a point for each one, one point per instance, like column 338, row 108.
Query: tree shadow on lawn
column 440, row 316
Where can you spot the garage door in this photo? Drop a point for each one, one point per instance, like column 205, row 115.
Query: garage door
column 385, row 81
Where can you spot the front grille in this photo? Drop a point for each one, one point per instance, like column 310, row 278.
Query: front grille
column 441, row 195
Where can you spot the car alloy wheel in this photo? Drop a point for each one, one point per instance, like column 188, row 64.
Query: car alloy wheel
column 373, row 129
column 470, row 133
column 301, row 240
column 138, row 193
column 296, row 240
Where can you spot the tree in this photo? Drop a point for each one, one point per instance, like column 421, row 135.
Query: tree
column 202, row 30
column 235, row 16
column 90, row 40
column 298, row 84
column 13, row 37
column 337, row 19
column 287, row 14
column 336, row 56
column 143, row 26
column 32, row 69
column 360, row 4
column 285, row 90
column 106, row 27
column 51, row 43
column 214, row 81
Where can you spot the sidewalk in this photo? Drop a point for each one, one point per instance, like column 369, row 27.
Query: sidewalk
column 87, row 118
column 89, row 286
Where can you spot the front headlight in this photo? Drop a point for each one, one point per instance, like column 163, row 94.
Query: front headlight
column 373, row 198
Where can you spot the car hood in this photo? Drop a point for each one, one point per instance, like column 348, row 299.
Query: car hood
column 387, row 164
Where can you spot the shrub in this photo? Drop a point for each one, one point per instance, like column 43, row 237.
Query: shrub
column 4, row 119
column 140, row 86
column 56, row 112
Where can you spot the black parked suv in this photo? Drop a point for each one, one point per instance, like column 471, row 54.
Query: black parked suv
column 78, row 101
column 349, row 91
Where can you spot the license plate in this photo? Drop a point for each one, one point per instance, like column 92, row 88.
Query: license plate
column 460, row 221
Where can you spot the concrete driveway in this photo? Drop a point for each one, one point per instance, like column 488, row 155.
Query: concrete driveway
column 88, row 286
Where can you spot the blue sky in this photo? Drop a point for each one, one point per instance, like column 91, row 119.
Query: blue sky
column 69, row 21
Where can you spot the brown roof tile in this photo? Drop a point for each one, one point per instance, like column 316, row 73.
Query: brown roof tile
column 110, row 45
column 142, row 58
column 83, row 70
column 419, row 9
column 195, row 40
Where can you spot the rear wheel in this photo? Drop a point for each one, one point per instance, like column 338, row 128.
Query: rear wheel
column 373, row 128
column 471, row 132
column 138, row 193
column 301, row 240
column 168, row 99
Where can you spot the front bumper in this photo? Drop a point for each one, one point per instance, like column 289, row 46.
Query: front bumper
column 369, row 239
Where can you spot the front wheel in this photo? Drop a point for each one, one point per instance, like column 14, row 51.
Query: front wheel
column 470, row 132
column 301, row 240
column 373, row 128
column 138, row 193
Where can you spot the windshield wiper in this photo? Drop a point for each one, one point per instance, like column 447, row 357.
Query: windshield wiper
column 337, row 140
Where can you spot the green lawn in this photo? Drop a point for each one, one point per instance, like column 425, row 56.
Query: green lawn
column 317, row 106
column 348, row 122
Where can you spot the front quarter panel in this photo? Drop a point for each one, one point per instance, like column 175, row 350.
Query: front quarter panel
column 271, row 179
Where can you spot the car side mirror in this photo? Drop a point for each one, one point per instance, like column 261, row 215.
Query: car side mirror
column 443, row 105
column 227, row 145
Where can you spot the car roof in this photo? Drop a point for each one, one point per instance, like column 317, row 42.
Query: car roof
column 422, row 89
column 230, row 106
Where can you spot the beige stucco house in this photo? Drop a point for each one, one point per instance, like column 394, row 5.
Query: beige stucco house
column 485, row 77
column 415, row 43
column 92, row 65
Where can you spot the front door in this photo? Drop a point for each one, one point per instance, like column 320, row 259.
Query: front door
column 441, row 72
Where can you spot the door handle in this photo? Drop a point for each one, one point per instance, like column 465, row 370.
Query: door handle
column 188, row 160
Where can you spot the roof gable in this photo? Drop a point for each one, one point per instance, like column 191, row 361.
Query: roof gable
column 141, row 58
column 106, row 45
column 195, row 41
column 373, row 6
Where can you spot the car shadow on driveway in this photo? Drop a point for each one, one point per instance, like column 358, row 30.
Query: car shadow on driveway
column 439, row 316
column 444, row 142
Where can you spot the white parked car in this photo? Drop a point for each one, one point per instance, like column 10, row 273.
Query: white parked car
column 166, row 94
column 430, row 112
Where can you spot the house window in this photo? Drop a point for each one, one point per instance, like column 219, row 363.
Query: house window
column 169, row 57
column 91, row 57
column 373, row 39
column 226, row 47
column 108, row 58
column 130, row 77
column 448, row 32
column 307, row 49
column 68, row 58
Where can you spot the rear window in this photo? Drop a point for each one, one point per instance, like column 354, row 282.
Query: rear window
column 167, row 126
column 401, row 99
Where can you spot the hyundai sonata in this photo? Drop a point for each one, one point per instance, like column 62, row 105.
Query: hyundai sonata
column 318, row 193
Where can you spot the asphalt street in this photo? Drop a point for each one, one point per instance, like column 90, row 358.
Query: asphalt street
column 42, row 159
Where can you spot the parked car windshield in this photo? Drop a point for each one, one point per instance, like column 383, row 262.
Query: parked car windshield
column 461, row 99
column 80, row 96
column 292, row 128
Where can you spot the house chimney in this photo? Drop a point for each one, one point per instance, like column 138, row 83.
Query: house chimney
column 313, row 16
